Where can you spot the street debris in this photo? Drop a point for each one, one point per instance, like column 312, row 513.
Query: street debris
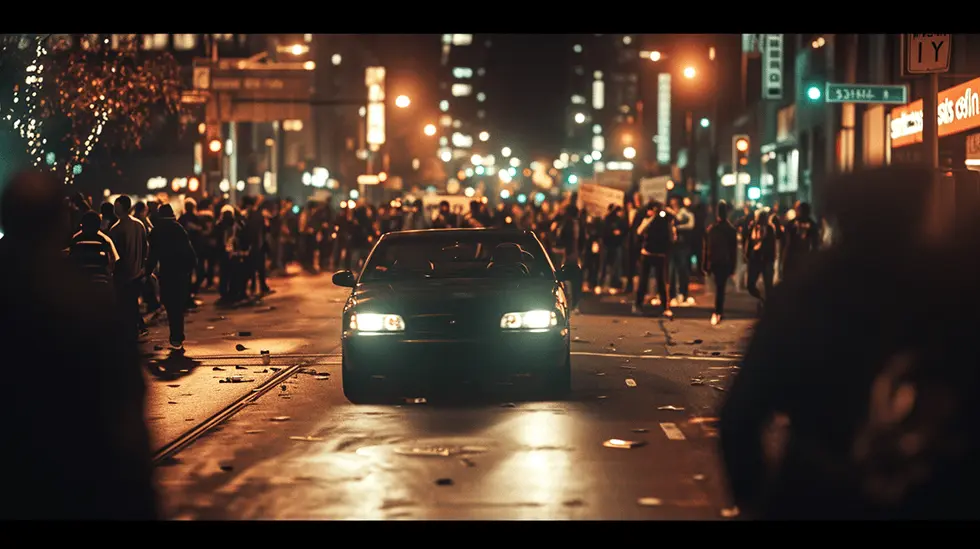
column 322, row 377
column 613, row 345
column 444, row 482
column 266, row 357
column 284, row 396
column 235, row 379
column 226, row 467
column 577, row 339
column 623, row 444
column 173, row 385
column 630, row 382
column 189, row 419
column 697, row 380
column 240, row 367
column 254, row 431
column 218, row 369
column 573, row 503
column 647, row 351
column 730, row 512
column 217, row 319
column 696, row 342
column 416, row 401
column 671, row 408
column 647, row 334
column 158, row 347
column 650, row 502
column 239, row 347
column 698, row 477
column 171, row 402
column 244, row 334
column 280, row 418
column 210, row 327
column 640, row 430
column 508, row 405
column 672, row 431
column 306, row 439
column 275, row 369
column 702, row 420
column 615, row 321
column 602, row 397
column 284, row 387
column 627, row 367
column 717, row 388
column 600, row 373
column 468, row 462
column 264, row 371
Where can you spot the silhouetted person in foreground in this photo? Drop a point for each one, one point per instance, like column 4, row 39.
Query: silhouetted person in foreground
column 875, row 398
column 77, row 445
column 170, row 246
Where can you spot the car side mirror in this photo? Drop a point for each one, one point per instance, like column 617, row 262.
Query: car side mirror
column 344, row 279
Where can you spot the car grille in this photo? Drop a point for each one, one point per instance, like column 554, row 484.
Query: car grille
column 438, row 326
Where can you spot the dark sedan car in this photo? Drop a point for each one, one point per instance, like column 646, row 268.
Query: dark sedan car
column 455, row 305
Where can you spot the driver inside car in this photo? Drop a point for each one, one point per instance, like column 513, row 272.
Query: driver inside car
column 508, row 260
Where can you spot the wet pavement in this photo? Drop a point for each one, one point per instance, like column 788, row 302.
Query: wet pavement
column 634, row 441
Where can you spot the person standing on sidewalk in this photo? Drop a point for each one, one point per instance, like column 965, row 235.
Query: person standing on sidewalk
column 680, row 254
column 720, row 256
column 82, row 449
column 129, row 237
column 171, row 247
column 657, row 236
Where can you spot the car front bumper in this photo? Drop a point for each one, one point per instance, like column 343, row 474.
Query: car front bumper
column 495, row 357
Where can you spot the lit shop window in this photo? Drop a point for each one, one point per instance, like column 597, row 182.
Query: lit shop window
column 462, row 90
column 462, row 39
column 462, row 72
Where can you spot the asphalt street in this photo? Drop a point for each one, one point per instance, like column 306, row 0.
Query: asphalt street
column 302, row 451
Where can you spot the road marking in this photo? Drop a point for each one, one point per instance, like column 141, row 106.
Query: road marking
column 657, row 357
column 672, row 432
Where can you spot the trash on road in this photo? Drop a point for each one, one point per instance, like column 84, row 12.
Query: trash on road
column 717, row 388
column 218, row 369
column 630, row 382
column 468, row 462
column 577, row 339
column 672, row 408
column 508, row 405
column 254, row 431
column 171, row 402
column 322, row 377
column 672, row 431
column 602, row 397
column 217, row 319
column 235, row 379
column 640, row 430
column 627, row 367
column 275, row 369
column 244, row 334
column 600, row 373
column 226, row 467
column 730, row 512
column 209, row 327
column 650, row 502
column 623, row 444
column 697, row 342
column 284, row 387
column 698, row 477
column 615, row 321
column 416, row 401
column 240, row 367
column 647, row 334
column 697, row 380
column 266, row 357
column 264, row 371
column 158, row 347
column 306, row 439
column 173, row 386
column 444, row 482
column 647, row 351
column 239, row 347
column 702, row 420
column 280, row 418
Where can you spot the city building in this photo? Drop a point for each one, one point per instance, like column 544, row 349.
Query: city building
column 465, row 139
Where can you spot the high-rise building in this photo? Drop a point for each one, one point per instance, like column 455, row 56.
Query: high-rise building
column 463, row 130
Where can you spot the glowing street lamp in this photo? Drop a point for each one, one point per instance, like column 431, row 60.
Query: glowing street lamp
column 655, row 56
column 505, row 152
column 298, row 49
column 402, row 101
column 690, row 73
column 629, row 153
column 484, row 136
column 579, row 118
column 214, row 145
column 429, row 129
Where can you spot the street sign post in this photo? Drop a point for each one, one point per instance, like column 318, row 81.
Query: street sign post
column 927, row 53
column 866, row 93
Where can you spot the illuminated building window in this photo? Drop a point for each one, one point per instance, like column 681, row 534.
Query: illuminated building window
column 481, row 97
column 462, row 39
column 185, row 41
column 598, row 94
column 445, row 121
column 597, row 129
column 155, row 41
column 577, row 48
column 444, row 106
column 123, row 41
column 462, row 90
column 307, row 38
column 462, row 141
column 457, row 124
column 578, row 100
column 462, row 72
column 225, row 37
column 447, row 39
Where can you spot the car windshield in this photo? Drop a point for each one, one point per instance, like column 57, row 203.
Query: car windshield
column 458, row 255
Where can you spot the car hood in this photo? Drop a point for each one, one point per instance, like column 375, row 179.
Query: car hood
column 455, row 296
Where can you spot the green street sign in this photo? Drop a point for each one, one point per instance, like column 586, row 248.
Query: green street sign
column 866, row 93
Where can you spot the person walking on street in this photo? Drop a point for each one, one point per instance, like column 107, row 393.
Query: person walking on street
column 680, row 254
column 93, row 394
column 720, row 256
column 129, row 237
column 171, row 247
column 657, row 236
column 760, row 256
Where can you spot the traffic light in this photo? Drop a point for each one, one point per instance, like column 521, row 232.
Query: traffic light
column 813, row 92
column 740, row 151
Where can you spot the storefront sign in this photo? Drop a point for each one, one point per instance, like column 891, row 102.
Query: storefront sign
column 663, row 118
column 958, row 111
column 374, row 79
column 772, row 67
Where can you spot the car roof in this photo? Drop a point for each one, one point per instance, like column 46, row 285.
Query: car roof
column 422, row 233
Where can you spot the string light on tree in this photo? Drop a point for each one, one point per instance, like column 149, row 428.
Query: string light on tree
column 24, row 110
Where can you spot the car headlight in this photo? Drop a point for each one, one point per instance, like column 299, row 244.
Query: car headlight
column 373, row 322
column 529, row 320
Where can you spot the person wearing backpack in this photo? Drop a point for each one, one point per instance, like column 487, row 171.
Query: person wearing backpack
column 720, row 256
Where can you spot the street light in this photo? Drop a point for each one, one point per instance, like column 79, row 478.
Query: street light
column 505, row 152
column 690, row 73
column 579, row 118
column 484, row 136
column 655, row 56
column 214, row 145
column 629, row 153
column 298, row 49
column 402, row 101
column 429, row 129
column 705, row 122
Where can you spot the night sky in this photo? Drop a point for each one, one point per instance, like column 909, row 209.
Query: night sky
column 525, row 86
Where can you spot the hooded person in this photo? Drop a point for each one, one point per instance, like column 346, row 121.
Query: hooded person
column 171, row 248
